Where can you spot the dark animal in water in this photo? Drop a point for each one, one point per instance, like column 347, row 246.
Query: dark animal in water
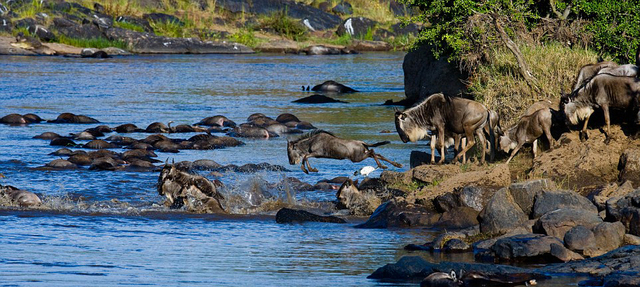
column 445, row 115
column 219, row 120
column 75, row 119
column 323, row 144
column 332, row 87
column 528, row 130
column 604, row 91
column 157, row 127
column 317, row 99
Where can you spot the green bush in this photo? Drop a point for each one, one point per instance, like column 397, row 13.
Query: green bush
column 128, row 26
column 245, row 37
column 285, row 26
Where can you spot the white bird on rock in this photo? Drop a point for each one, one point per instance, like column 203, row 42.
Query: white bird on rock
column 365, row 171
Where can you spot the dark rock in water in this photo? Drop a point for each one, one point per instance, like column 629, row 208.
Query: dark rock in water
column 161, row 17
column 629, row 165
column 558, row 222
column 547, row 201
column 456, row 245
column 622, row 261
column 47, row 136
column 286, row 215
column 62, row 142
column 317, row 99
column 399, row 214
column 193, row 192
column 524, row 193
column 61, row 164
column 94, row 53
column 579, row 238
column 42, row 33
column 13, row 119
column 622, row 280
column 98, row 144
column 501, row 214
column 424, row 75
column 73, row 30
column 357, row 27
column 332, row 87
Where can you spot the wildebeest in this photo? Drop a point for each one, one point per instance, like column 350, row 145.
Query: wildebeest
column 588, row 71
column 529, row 128
column 604, row 91
column 332, row 87
column 323, row 144
column 444, row 115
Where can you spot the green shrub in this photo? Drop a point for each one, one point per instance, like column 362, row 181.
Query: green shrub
column 128, row 26
column 168, row 29
column 98, row 43
column 285, row 26
column 245, row 37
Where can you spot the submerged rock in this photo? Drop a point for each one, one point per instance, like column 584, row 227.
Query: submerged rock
column 286, row 215
column 400, row 214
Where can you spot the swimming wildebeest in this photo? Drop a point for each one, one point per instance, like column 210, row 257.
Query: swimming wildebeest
column 529, row 128
column 332, row 87
column 604, row 91
column 323, row 144
column 445, row 115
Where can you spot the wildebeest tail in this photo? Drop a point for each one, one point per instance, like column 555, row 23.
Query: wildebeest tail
column 377, row 144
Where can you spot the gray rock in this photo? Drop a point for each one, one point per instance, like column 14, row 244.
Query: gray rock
column 524, row 247
column 146, row 26
column 547, row 201
column 624, row 260
column 631, row 239
column 629, row 165
column 563, row 254
column 73, row 30
column 424, row 75
column 460, row 217
column 475, row 197
column 501, row 214
column 622, row 280
column 399, row 214
column 42, row 33
column 626, row 209
column 608, row 236
column 343, row 8
column 357, row 27
column 524, row 192
column 558, row 222
column 409, row 29
column 456, row 245
column 579, row 238
column 5, row 24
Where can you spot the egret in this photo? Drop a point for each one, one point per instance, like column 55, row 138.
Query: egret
column 365, row 171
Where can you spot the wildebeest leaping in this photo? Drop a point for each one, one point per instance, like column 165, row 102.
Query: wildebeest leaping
column 323, row 144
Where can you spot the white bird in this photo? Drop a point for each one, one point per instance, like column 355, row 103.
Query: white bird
column 365, row 171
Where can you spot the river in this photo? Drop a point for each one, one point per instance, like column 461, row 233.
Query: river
column 103, row 228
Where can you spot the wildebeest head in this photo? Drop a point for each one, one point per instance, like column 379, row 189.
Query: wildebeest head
column 408, row 129
column 574, row 113
column 294, row 153
column 506, row 144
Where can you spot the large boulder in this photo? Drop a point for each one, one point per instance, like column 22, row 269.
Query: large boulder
column 547, row 201
column 525, row 192
column 579, row 238
column 627, row 210
column 608, row 236
column 356, row 27
column 425, row 75
column 624, row 260
column 343, row 8
column 287, row 215
column 525, row 247
column 5, row 24
column 600, row 196
column 42, row 33
column 193, row 192
column 501, row 214
column 558, row 222
column 400, row 214
column 629, row 165
column 460, row 217
column 77, row 31
column 146, row 26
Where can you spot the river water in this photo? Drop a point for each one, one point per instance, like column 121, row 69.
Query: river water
column 104, row 228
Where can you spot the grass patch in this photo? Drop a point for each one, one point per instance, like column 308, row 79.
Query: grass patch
column 169, row 29
column 30, row 10
column 128, row 26
column 499, row 85
column 284, row 25
column 245, row 37
column 408, row 187
column 98, row 43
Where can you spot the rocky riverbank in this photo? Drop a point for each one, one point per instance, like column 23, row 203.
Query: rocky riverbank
column 230, row 27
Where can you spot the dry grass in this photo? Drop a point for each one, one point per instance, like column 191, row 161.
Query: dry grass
column 499, row 85
column 374, row 10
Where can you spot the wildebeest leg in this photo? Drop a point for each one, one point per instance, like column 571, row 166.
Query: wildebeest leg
column 463, row 143
column 583, row 132
column 432, row 145
column 471, row 141
column 372, row 154
column 513, row 153
column 304, row 161
column 547, row 132
column 534, row 147
column 311, row 169
column 481, row 141
column 607, row 121
column 441, row 141
column 385, row 159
